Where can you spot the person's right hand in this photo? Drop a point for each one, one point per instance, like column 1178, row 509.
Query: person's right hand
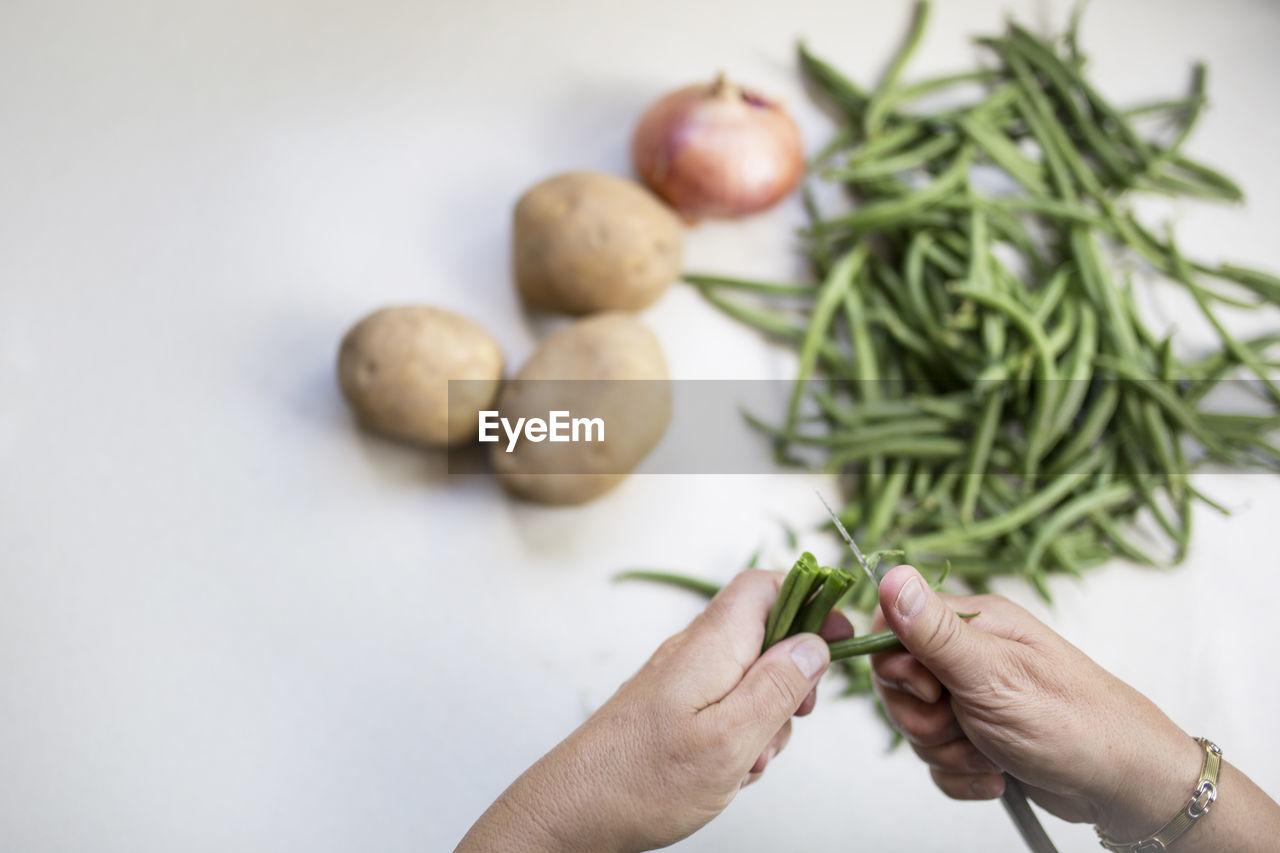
column 1002, row 692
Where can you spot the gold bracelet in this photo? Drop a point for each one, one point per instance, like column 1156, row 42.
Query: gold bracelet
column 1204, row 796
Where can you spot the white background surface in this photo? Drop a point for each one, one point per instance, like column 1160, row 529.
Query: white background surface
column 231, row 621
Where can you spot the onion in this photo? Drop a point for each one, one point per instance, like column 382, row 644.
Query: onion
column 718, row 150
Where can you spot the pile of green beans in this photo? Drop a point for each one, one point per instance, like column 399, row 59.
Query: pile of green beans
column 969, row 359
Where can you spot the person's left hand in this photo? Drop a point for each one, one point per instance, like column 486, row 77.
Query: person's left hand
column 677, row 741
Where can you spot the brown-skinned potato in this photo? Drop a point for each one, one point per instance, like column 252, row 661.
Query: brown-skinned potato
column 394, row 368
column 586, row 242
column 604, row 353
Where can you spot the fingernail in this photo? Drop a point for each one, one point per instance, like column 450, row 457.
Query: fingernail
column 986, row 788
column 979, row 763
column 809, row 656
column 911, row 598
column 910, row 688
column 901, row 686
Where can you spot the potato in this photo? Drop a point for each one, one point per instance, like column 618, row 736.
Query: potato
column 394, row 368
column 607, row 349
column 588, row 242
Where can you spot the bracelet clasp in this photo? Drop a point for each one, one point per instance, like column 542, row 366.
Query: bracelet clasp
column 1205, row 796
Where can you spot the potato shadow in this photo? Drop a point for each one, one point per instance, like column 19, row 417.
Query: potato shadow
column 554, row 534
column 403, row 463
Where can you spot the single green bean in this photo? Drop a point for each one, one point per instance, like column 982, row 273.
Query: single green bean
column 915, row 447
column 886, row 144
column 702, row 587
column 877, row 108
column 886, row 502
column 770, row 287
column 1246, row 356
column 813, row 614
column 837, row 88
column 912, row 158
column 773, row 325
column 980, row 452
column 1073, row 511
column 1006, row 155
column 1111, row 530
column 804, row 576
column 874, row 643
column 885, row 213
column 828, row 300
column 922, row 425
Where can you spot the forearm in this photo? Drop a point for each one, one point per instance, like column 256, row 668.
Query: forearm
column 1243, row 819
column 507, row 826
column 561, row 804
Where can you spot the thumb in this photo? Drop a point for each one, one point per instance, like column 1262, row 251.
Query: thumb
column 772, row 689
column 942, row 641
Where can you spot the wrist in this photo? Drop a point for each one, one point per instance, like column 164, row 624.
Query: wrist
column 556, row 806
column 570, row 804
column 1153, row 784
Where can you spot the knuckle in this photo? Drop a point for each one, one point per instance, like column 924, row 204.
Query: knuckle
column 1007, row 681
column 758, row 575
column 1008, row 608
column 668, row 650
column 993, row 602
column 1006, row 618
column 718, row 608
column 750, row 577
column 716, row 740
column 942, row 633
column 988, row 604
column 778, row 690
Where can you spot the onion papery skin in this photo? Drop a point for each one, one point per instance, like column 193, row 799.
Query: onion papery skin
column 717, row 150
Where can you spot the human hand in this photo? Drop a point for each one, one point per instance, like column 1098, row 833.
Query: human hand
column 664, row 755
column 1003, row 692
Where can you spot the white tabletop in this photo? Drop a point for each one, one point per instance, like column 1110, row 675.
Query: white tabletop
column 231, row 621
